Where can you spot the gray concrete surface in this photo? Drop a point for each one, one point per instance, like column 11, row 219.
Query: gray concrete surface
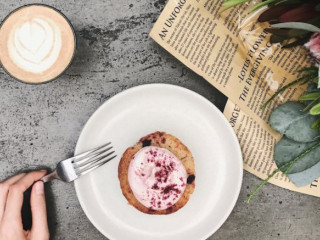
column 39, row 125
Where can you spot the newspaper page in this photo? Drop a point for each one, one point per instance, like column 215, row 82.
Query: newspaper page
column 233, row 53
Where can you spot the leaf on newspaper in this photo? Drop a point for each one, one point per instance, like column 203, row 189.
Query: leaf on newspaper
column 315, row 110
column 284, row 115
column 290, row 120
column 306, row 169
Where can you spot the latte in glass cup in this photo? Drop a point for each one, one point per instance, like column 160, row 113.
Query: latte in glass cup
column 37, row 43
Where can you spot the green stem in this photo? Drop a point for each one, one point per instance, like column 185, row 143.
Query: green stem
column 311, row 104
column 261, row 185
column 262, row 4
column 231, row 3
column 284, row 168
column 284, row 88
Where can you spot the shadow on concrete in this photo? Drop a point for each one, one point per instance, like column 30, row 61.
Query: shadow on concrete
column 51, row 211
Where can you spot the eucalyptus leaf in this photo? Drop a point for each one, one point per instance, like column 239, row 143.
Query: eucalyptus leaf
column 306, row 177
column 290, row 120
column 284, row 115
column 297, row 25
column 307, row 168
column 285, row 168
column 287, row 149
column 301, row 130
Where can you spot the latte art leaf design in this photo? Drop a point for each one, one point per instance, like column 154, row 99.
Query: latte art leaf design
column 35, row 45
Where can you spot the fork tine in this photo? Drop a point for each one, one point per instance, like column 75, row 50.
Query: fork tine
column 94, row 166
column 85, row 160
column 89, row 153
column 93, row 159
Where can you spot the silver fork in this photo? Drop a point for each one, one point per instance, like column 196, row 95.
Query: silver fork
column 72, row 168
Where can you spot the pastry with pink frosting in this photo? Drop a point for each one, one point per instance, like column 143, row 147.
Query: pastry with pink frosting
column 157, row 175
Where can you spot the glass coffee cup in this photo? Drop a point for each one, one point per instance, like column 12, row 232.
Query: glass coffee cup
column 37, row 43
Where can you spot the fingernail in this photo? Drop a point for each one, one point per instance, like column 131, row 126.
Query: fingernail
column 39, row 187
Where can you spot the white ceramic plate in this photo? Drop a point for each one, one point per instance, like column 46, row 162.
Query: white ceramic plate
column 134, row 113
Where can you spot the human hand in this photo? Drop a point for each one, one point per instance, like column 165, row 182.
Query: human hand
column 11, row 200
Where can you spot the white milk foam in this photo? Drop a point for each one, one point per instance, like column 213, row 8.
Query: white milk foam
column 35, row 45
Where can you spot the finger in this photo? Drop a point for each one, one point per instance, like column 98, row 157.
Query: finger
column 15, row 196
column 4, row 188
column 13, row 179
column 39, row 212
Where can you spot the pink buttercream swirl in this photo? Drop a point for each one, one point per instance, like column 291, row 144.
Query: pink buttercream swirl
column 157, row 177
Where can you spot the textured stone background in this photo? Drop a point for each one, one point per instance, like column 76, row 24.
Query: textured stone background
column 40, row 124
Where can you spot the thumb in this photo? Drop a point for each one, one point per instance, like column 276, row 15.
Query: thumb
column 39, row 213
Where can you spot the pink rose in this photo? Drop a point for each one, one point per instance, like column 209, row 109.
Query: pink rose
column 314, row 46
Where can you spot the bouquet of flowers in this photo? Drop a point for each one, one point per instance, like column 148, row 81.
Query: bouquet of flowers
column 295, row 23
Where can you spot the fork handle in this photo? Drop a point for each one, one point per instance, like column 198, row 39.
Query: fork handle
column 50, row 177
